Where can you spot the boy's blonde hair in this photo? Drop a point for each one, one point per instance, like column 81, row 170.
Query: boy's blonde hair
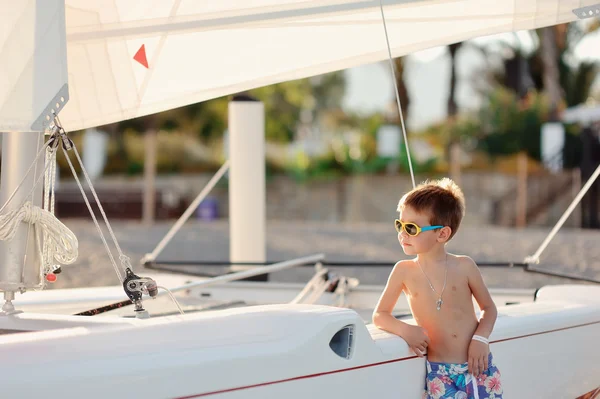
column 442, row 199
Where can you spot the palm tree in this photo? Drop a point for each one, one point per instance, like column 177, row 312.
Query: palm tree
column 551, row 38
column 453, row 148
column 548, row 68
column 452, row 107
column 399, row 65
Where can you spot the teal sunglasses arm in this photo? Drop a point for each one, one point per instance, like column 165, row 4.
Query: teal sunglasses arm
column 427, row 228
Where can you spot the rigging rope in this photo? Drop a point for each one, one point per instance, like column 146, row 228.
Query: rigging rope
column 49, row 202
column 134, row 286
column 393, row 70
column 93, row 215
column 535, row 258
column 60, row 244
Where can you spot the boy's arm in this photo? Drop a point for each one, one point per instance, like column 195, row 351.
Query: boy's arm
column 415, row 336
column 478, row 351
column 482, row 296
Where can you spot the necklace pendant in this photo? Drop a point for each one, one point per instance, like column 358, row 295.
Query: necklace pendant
column 439, row 304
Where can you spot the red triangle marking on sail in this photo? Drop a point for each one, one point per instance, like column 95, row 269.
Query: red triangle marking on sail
column 140, row 56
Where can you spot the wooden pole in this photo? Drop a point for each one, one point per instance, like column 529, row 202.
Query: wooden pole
column 149, row 200
column 575, row 188
column 521, row 218
column 455, row 162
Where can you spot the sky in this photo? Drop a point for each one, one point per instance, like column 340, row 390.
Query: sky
column 427, row 75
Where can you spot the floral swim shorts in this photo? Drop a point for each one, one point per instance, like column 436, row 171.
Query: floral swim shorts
column 452, row 380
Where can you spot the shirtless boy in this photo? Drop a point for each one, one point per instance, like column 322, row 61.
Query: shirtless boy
column 440, row 288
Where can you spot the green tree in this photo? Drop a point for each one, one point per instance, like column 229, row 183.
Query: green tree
column 283, row 104
column 328, row 90
column 510, row 125
column 285, row 101
column 551, row 66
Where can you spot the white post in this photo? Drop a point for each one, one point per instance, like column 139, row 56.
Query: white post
column 19, row 260
column 247, row 204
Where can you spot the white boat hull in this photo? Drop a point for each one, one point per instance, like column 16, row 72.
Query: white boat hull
column 543, row 349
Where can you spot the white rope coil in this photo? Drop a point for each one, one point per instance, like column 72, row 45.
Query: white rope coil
column 62, row 243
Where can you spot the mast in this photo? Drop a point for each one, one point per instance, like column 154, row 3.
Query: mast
column 36, row 49
column 19, row 260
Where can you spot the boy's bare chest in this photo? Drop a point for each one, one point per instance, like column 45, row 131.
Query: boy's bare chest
column 451, row 289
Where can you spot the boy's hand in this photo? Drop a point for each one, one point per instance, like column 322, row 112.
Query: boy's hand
column 416, row 337
column 478, row 357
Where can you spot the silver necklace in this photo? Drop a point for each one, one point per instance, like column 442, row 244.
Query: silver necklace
column 439, row 301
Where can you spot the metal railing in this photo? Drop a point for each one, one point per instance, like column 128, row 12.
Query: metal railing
column 288, row 264
column 186, row 215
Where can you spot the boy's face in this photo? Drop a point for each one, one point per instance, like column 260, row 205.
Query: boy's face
column 413, row 245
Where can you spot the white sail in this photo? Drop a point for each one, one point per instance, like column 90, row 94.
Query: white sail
column 33, row 63
column 198, row 50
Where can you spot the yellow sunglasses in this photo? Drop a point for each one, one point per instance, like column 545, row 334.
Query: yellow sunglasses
column 412, row 229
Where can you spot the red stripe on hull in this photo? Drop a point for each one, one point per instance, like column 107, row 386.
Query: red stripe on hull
column 302, row 377
column 594, row 394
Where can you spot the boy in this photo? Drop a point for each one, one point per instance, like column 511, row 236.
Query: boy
column 440, row 288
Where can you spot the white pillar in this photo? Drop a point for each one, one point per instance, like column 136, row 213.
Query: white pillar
column 247, row 198
column 19, row 260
